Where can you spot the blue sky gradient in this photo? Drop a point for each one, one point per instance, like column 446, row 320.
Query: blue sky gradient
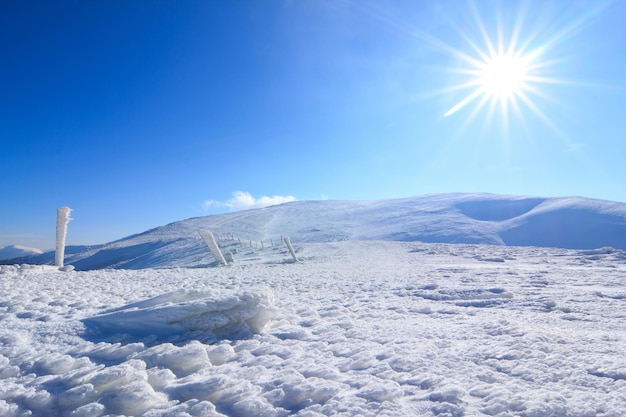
column 137, row 114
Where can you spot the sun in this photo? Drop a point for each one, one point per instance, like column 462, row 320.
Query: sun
column 502, row 71
column 502, row 79
column 504, row 76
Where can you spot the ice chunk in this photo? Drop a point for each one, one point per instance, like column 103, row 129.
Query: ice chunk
column 182, row 312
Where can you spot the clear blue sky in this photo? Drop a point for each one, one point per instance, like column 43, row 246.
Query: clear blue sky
column 139, row 113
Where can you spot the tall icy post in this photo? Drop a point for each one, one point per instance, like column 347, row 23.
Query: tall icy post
column 63, row 218
column 212, row 244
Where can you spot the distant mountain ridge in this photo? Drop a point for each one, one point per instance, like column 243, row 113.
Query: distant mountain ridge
column 15, row 251
column 563, row 222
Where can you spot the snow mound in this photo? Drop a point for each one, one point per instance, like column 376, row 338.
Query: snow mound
column 184, row 314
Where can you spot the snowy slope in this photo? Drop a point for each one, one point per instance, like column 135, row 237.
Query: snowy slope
column 572, row 222
column 359, row 328
column 17, row 251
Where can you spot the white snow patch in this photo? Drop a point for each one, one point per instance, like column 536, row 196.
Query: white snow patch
column 359, row 329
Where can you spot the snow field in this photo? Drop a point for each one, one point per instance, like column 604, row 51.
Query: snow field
column 357, row 329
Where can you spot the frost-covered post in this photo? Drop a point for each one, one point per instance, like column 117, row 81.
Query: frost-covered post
column 288, row 244
column 63, row 218
column 210, row 242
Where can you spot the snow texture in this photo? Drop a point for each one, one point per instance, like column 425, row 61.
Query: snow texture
column 358, row 328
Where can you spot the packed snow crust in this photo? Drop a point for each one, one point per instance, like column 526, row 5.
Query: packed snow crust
column 356, row 329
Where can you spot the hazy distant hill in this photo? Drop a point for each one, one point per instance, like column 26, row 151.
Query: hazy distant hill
column 570, row 222
column 15, row 251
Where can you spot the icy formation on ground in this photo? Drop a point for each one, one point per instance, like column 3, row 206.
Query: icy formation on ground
column 356, row 329
column 182, row 312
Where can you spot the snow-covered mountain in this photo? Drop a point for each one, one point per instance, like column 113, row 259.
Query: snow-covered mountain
column 16, row 251
column 566, row 222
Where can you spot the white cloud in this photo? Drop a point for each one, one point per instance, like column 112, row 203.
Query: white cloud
column 244, row 200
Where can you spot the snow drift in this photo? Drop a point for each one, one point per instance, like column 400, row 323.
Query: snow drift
column 182, row 315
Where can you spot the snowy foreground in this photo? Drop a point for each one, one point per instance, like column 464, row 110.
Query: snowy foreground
column 356, row 329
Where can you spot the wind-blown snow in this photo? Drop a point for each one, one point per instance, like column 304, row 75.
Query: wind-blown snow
column 356, row 329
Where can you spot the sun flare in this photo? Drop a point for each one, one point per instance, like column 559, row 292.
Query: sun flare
column 503, row 79
column 503, row 76
column 501, row 69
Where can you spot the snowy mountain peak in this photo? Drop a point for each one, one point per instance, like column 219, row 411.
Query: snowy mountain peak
column 565, row 222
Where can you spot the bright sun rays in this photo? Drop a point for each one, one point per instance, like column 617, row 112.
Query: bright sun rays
column 501, row 79
column 505, row 69
column 502, row 73
column 510, row 60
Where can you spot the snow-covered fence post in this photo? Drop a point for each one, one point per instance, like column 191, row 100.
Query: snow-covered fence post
column 228, row 256
column 288, row 244
column 63, row 218
column 212, row 245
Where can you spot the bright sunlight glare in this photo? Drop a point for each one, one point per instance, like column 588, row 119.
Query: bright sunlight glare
column 503, row 72
column 503, row 76
column 508, row 65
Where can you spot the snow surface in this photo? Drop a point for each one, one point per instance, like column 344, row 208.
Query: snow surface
column 567, row 222
column 358, row 328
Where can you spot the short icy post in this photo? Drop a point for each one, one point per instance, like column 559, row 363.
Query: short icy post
column 210, row 242
column 288, row 244
column 63, row 218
